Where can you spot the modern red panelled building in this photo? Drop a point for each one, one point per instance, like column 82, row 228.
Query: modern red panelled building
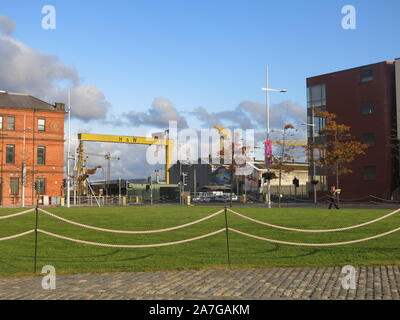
column 365, row 99
column 31, row 149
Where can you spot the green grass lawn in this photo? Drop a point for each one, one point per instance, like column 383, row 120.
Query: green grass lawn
column 16, row 256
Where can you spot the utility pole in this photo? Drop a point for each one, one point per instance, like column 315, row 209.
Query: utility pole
column 312, row 155
column 119, row 191
column 149, row 180
column 23, row 183
column 195, row 182
column 267, row 115
column 157, row 176
column 180, row 182
column 23, row 166
column 280, row 168
column 75, row 161
column 313, row 159
column 108, row 156
column 232, row 172
column 69, row 151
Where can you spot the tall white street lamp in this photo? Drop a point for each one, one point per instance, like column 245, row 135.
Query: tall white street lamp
column 313, row 160
column 267, row 90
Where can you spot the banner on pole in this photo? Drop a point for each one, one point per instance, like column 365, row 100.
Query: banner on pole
column 268, row 152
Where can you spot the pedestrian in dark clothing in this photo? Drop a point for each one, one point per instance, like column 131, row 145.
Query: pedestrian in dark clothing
column 332, row 198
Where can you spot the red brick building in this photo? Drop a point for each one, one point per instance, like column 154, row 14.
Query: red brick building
column 31, row 148
column 365, row 99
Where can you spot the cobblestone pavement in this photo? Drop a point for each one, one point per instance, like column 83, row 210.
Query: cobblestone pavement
column 381, row 282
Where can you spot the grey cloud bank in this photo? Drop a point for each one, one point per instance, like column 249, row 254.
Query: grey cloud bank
column 7, row 25
column 158, row 115
column 25, row 70
column 251, row 115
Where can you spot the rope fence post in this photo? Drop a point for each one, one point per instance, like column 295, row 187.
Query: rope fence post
column 36, row 238
column 227, row 235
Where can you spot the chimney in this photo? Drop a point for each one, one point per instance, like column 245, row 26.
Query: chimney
column 59, row 106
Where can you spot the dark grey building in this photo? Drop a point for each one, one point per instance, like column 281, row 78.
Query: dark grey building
column 198, row 175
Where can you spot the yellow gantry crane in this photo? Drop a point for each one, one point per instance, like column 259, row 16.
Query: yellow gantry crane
column 168, row 143
column 292, row 143
column 225, row 135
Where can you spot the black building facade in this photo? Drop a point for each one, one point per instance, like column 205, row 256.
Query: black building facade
column 198, row 175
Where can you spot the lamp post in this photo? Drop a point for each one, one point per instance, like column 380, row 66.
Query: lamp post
column 313, row 160
column 24, row 163
column 267, row 90
column 69, row 152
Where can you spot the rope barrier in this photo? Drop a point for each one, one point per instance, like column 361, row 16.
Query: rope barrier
column 314, row 231
column 131, row 232
column 16, row 214
column 297, row 199
column 385, row 200
column 354, row 200
column 133, row 245
column 314, row 244
column 206, row 235
column 376, row 203
column 17, row 235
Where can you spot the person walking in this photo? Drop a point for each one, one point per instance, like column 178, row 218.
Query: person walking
column 332, row 197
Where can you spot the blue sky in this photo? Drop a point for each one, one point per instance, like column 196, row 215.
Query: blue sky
column 204, row 53
column 208, row 53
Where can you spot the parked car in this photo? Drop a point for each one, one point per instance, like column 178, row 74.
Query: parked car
column 228, row 197
column 204, row 199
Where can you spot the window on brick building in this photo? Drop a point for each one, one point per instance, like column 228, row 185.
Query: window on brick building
column 367, row 108
column 367, row 74
column 10, row 154
column 1, row 122
column 369, row 173
column 40, row 185
column 14, row 186
column 41, row 125
column 369, row 139
column 11, row 123
column 41, row 155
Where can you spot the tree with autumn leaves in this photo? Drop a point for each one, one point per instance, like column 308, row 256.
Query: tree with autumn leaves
column 339, row 149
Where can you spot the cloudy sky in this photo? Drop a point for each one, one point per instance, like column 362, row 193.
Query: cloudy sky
column 132, row 66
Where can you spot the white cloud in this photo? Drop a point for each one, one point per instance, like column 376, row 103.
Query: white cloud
column 25, row 70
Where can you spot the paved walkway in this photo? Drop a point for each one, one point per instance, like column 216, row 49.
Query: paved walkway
column 277, row 283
